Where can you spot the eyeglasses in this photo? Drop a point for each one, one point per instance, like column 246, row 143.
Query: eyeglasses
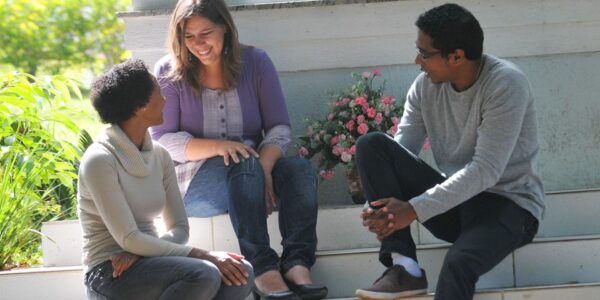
column 426, row 55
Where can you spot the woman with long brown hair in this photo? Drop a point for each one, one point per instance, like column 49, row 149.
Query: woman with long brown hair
column 227, row 128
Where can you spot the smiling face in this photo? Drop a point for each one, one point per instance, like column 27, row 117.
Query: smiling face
column 204, row 39
column 432, row 62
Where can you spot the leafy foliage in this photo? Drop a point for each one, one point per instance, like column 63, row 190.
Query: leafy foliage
column 57, row 34
column 38, row 169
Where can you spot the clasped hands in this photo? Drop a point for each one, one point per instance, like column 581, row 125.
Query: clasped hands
column 392, row 215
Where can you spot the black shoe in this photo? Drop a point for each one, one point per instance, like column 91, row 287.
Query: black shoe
column 307, row 291
column 287, row 295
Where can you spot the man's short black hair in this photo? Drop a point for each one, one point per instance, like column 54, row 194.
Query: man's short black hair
column 451, row 27
column 119, row 92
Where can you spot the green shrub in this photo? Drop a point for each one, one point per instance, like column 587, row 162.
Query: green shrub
column 38, row 170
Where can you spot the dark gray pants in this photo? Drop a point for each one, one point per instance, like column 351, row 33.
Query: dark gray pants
column 483, row 229
column 165, row 277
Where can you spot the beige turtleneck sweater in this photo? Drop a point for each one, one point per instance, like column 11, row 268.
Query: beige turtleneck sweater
column 121, row 190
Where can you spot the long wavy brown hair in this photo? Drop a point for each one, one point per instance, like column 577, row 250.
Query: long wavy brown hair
column 184, row 64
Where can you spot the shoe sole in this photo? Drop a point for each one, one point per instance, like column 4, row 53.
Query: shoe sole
column 369, row 295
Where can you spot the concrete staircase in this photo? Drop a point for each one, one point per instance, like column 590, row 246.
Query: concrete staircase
column 315, row 45
column 561, row 262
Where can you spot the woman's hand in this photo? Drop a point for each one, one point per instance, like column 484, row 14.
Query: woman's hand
column 269, row 154
column 122, row 261
column 270, row 198
column 230, row 265
column 231, row 150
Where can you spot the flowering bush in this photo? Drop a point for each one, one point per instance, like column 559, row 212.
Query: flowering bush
column 352, row 113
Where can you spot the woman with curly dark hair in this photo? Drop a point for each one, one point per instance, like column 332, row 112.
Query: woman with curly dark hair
column 125, row 182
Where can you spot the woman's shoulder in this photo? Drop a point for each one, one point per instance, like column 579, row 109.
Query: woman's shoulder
column 95, row 156
column 251, row 54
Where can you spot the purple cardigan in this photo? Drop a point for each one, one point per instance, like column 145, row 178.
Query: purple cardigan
column 261, row 98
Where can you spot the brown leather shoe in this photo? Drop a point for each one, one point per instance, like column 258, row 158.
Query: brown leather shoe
column 394, row 283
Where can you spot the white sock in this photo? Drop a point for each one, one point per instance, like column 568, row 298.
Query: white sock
column 409, row 264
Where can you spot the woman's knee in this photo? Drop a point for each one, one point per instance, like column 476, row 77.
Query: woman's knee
column 249, row 270
column 247, row 166
column 295, row 165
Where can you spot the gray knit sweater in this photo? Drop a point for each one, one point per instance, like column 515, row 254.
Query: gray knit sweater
column 121, row 191
column 482, row 139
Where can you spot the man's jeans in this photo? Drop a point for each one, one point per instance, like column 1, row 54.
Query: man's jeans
column 165, row 278
column 240, row 190
column 483, row 229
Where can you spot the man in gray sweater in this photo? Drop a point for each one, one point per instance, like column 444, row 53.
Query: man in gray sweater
column 477, row 112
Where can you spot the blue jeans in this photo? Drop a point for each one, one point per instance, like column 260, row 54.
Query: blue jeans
column 166, row 277
column 483, row 230
column 240, row 190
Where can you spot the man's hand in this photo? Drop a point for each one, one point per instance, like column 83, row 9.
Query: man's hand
column 393, row 215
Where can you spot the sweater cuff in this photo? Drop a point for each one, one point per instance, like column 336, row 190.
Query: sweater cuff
column 280, row 136
column 175, row 144
column 423, row 208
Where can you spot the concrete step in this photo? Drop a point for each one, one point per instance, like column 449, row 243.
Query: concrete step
column 546, row 261
column 65, row 283
column 338, row 228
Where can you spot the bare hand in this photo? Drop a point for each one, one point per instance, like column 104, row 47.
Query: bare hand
column 121, row 262
column 230, row 265
column 231, row 150
column 393, row 215
column 270, row 198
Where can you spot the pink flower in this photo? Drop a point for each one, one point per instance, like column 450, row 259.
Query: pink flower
column 360, row 119
column 334, row 140
column 426, row 145
column 378, row 118
column 346, row 157
column 395, row 120
column 388, row 100
column 345, row 101
column 330, row 117
column 337, row 150
column 393, row 130
column 367, row 75
column 371, row 112
column 376, row 72
column 362, row 128
column 326, row 174
column 352, row 150
column 360, row 100
column 350, row 125
column 302, row 152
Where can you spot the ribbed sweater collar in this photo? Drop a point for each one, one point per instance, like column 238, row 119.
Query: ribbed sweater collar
column 136, row 162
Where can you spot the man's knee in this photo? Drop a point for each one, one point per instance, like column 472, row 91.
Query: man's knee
column 371, row 139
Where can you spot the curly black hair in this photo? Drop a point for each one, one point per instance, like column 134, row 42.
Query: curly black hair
column 119, row 92
column 451, row 27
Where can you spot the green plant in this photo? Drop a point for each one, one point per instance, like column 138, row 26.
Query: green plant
column 57, row 34
column 39, row 161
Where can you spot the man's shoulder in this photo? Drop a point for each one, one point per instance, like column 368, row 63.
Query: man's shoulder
column 502, row 69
